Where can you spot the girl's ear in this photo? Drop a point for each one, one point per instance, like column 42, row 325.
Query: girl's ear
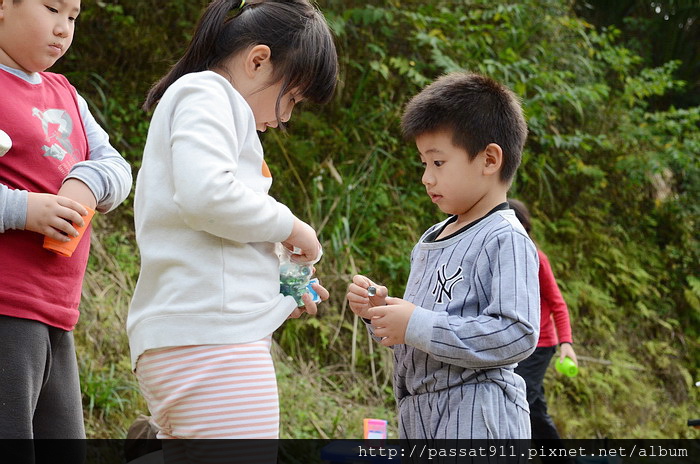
column 257, row 59
column 493, row 159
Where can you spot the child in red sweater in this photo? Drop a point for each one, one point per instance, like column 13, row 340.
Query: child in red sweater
column 554, row 329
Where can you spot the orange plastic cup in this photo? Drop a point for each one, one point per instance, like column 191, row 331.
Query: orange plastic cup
column 67, row 248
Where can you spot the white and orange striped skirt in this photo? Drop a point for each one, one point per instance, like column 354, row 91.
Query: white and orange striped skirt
column 211, row 391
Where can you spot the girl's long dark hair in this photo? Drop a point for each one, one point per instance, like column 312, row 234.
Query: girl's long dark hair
column 303, row 54
column 522, row 213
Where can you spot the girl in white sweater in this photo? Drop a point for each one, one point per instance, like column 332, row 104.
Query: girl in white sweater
column 208, row 297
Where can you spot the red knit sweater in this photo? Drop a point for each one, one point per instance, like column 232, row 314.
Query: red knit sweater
column 554, row 315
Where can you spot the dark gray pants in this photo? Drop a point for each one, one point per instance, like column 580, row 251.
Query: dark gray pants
column 544, row 432
column 39, row 385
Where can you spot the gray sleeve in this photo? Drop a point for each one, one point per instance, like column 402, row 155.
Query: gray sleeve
column 106, row 173
column 370, row 330
column 13, row 208
column 507, row 328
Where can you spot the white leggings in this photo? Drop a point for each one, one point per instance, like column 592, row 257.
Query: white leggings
column 211, row 391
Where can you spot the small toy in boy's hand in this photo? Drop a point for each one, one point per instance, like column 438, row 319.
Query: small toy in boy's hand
column 371, row 291
column 5, row 143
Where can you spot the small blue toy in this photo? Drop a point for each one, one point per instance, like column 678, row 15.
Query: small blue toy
column 314, row 296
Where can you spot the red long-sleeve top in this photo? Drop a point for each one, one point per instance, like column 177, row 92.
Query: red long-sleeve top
column 555, row 327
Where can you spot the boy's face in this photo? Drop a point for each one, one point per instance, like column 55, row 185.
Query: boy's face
column 34, row 34
column 455, row 183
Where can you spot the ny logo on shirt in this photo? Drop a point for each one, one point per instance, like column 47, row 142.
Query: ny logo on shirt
column 444, row 285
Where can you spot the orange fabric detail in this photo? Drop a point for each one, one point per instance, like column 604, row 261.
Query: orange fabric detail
column 266, row 170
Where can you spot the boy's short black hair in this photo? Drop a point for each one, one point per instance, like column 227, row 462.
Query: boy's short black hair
column 478, row 111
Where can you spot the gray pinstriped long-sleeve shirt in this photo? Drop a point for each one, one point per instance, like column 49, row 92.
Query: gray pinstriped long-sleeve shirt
column 477, row 314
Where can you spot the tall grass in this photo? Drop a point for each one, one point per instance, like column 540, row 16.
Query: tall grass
column 111, row 398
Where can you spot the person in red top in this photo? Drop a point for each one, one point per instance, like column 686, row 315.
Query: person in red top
column 555, row 328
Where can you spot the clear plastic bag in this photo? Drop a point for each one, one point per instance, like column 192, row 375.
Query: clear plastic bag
column 296, row 278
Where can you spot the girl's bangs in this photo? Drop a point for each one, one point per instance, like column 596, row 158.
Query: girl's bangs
column 315, row 70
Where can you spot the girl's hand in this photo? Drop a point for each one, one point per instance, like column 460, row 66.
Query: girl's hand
column 304, row 238
column 309, row 305
column 53, row 215
column 567, row 351
column 358, row 296
column 390, row 321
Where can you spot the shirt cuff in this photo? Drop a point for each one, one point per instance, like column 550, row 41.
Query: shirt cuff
column 419, row 332
column 14, row 213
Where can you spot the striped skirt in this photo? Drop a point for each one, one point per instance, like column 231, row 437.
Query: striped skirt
column 211, row 391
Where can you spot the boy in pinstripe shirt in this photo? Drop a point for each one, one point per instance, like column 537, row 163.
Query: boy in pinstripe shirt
column 470, row 311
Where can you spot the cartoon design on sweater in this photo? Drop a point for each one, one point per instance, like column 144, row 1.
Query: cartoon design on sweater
column 444, row 285
column 58, row 127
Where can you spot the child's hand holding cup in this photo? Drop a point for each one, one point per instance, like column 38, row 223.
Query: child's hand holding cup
column 67, row 248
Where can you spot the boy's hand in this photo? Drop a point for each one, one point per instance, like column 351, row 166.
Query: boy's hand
column 303, row 236
column 390, row 322
column 359, row 299
column 77, row 190
column 309, row 305
column 53, row 215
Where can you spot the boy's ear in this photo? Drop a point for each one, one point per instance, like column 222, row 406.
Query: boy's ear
column 493, row 159
column 256, row 59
